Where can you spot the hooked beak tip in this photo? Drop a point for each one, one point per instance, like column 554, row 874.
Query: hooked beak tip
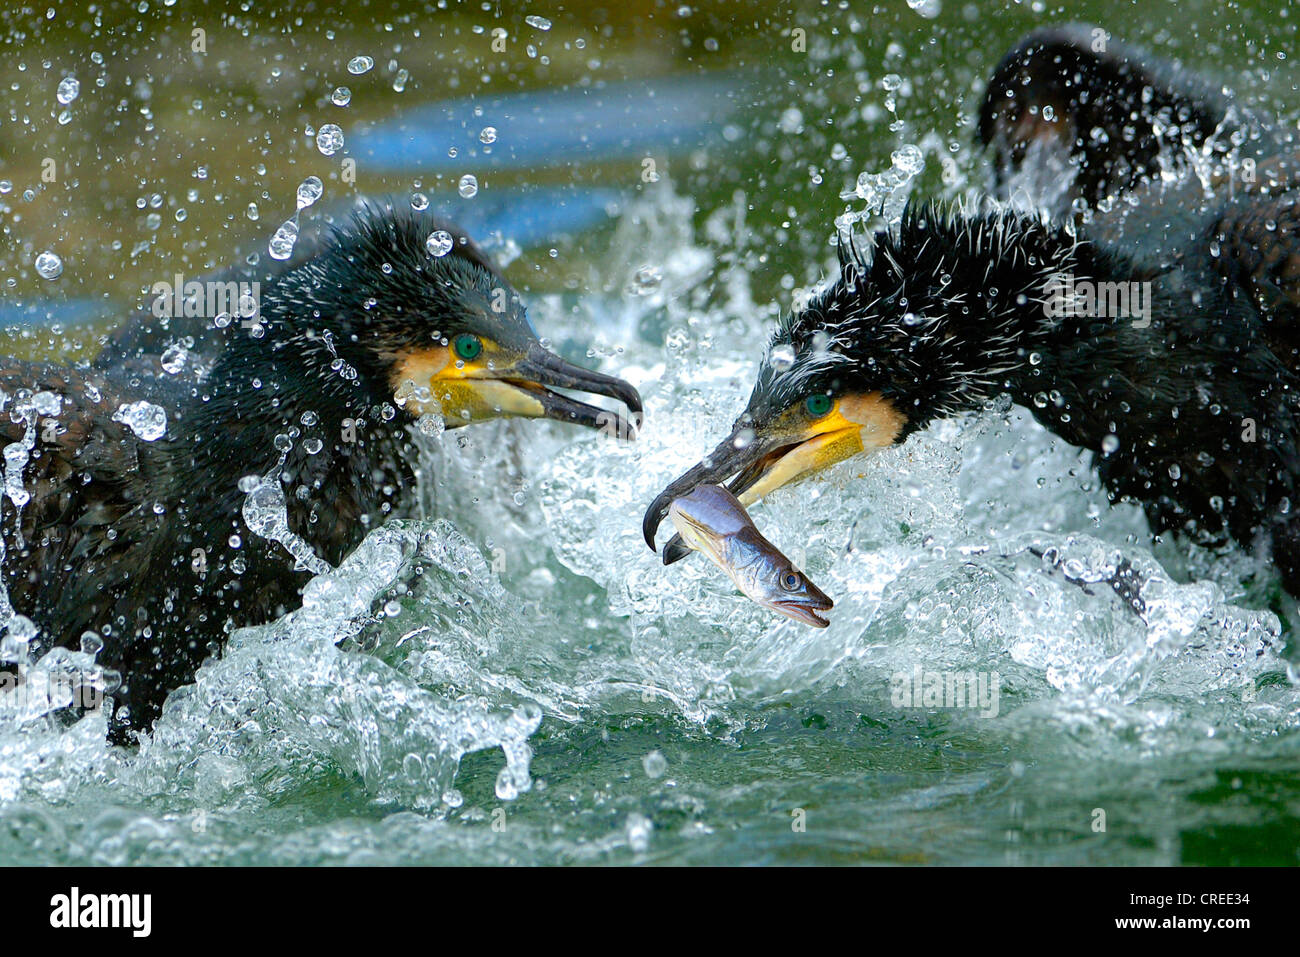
column 724, row 461
column 654, row 515
column 543, row 368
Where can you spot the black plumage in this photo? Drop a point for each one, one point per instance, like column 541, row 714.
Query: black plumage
column 146, row 542
column 1188, row 401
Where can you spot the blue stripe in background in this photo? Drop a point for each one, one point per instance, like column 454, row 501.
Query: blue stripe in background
column 617, row 121
column 535, row 130
column 49, row 312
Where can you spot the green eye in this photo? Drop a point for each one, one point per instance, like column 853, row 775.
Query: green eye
column 818, row 405
column 468, row 347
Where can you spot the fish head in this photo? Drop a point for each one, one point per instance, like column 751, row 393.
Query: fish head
column 789, row 592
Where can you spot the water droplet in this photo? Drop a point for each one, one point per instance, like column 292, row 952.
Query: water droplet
column 342, row 96
column 22, row 629
column 926, row 8
column 310, row 191
column 145, row 419
column 91, row 643
column 282, row 243
column 468, row 185
column 647, row 279
column 655, row 764
column 782, row 356
column 173, row 358
column 537, row 23
column 68, row 90
column 329, row 140
column 1110, row 444
column 439, row 243
column 488, row 134
column 252, row 212
column 419, row 202
column 908, row 160
column 639, row 829
column 49, row 265
column 399, row 81
column 360, row 64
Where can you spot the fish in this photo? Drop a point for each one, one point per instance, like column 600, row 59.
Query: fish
column 712, row 521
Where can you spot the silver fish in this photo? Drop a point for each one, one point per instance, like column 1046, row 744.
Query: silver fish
column 711, row 521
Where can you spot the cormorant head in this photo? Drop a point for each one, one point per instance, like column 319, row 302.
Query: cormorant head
column 922, row 324
column 422, row 316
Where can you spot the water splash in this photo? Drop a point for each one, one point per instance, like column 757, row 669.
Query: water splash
column 266, row 513
column 147, row 420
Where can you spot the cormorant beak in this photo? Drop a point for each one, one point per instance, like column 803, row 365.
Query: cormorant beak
column 514, row 384
column 752, row 461
column 540, row 368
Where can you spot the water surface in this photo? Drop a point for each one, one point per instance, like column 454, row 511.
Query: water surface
column 511, row 676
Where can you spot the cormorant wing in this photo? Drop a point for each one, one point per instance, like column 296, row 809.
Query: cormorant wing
column 80, row 463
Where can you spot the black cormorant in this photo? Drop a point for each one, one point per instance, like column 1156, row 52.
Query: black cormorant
column 1147, row 308
column 140, row 534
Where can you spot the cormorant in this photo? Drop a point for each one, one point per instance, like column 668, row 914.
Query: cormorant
column 1147, row 309
column 296, row 421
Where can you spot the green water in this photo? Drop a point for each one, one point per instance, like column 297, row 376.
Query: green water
column 676, row 726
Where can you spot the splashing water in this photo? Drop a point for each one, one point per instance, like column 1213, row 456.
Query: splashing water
column 145, row 419
column 329, row 139
column 285, row 238
column 516, row 652
column 49, row 265
column 68, row 90
column 310, row 190
column 439, row 243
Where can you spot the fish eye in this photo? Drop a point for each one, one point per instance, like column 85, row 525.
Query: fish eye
column 790, row 581
column 468, row 347
column 818, row 405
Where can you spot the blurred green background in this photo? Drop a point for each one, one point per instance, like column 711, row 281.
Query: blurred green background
column 158, row 159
